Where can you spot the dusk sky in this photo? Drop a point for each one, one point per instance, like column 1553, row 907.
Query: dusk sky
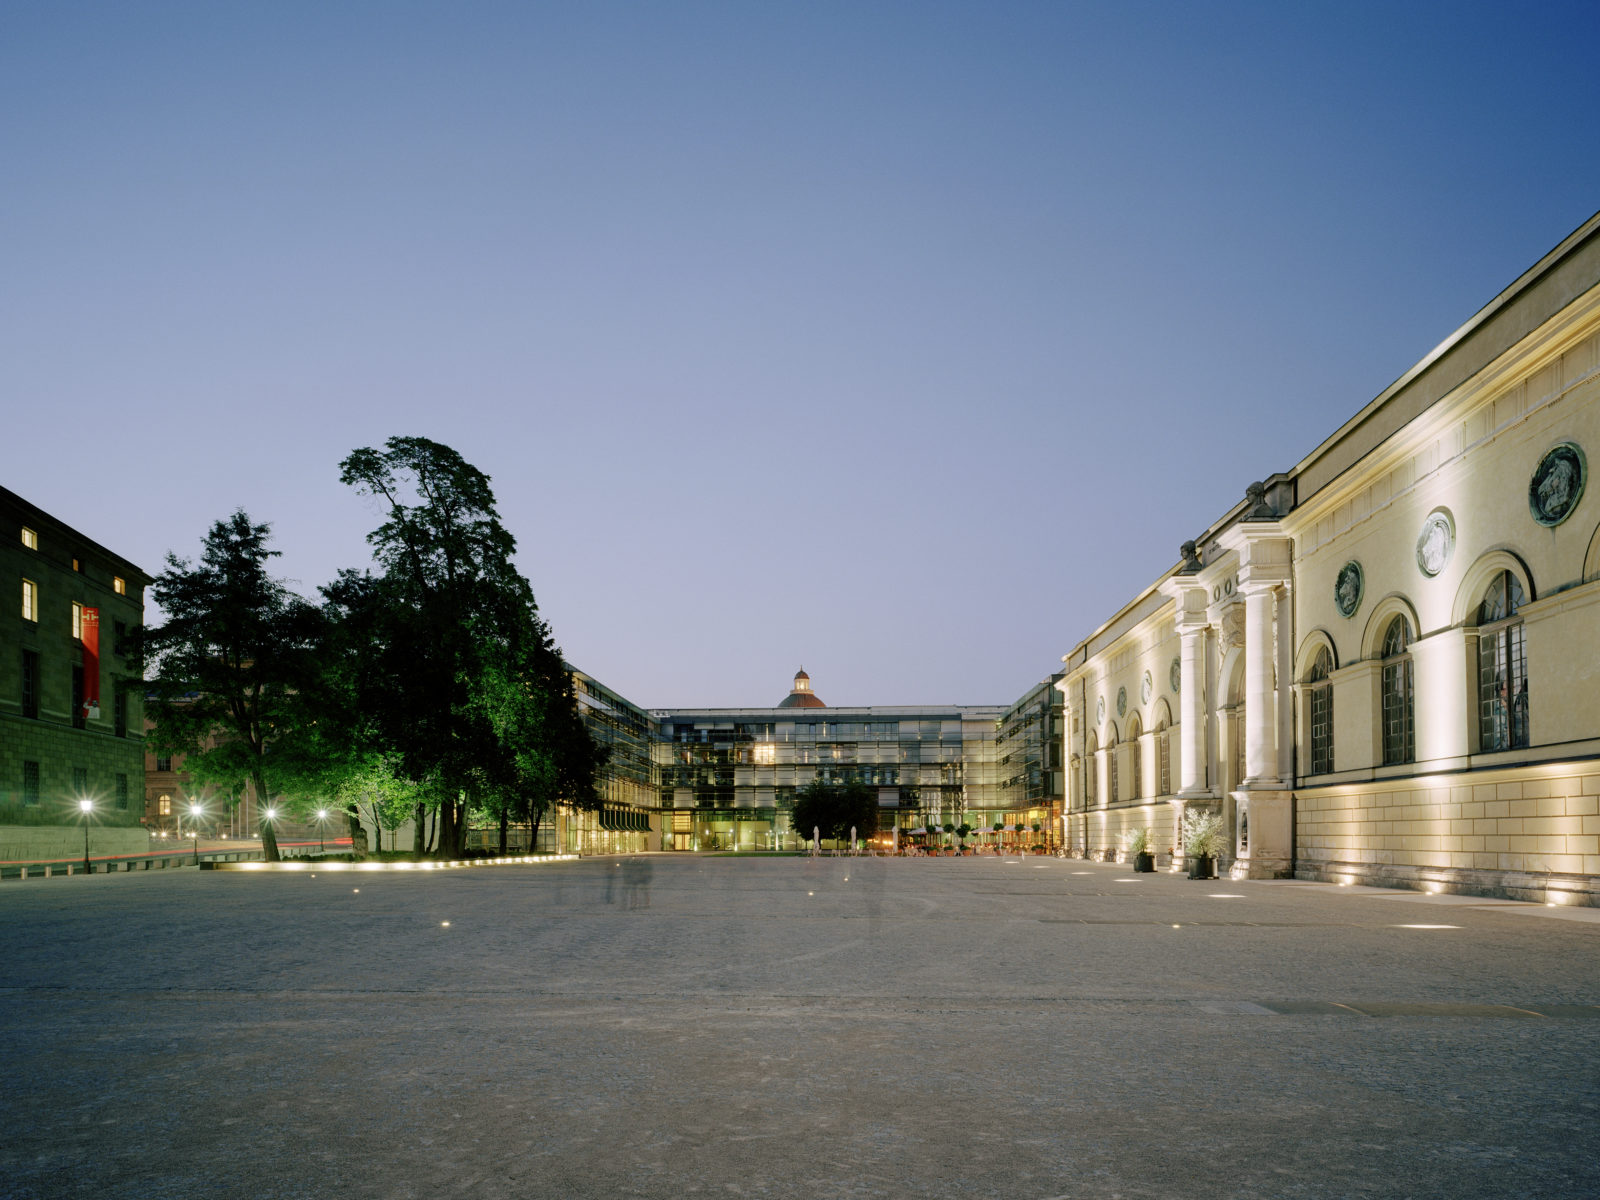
column 902, row 341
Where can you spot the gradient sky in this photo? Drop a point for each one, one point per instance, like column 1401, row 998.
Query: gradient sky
column 904, row 341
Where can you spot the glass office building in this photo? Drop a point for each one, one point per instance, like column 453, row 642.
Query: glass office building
column 629, row 799
column 726, row 778
column 1031, row 785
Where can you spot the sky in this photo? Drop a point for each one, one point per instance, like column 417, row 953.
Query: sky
column 905, row 342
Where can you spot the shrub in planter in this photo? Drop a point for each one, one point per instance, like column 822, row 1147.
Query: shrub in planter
column 1202, row 842
column 1137, row 842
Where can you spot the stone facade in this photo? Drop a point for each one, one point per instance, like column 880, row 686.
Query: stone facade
column 1386, row 656
column 52, row 753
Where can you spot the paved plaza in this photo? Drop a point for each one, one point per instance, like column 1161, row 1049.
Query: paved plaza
column 790, row 1027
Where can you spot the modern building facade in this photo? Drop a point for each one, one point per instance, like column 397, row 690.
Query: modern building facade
column 629, row 818
column 71, row 719
column 727, row 777
column 1030, row 781
column 1381, row 665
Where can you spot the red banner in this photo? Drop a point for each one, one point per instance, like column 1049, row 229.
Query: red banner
column 90, row 637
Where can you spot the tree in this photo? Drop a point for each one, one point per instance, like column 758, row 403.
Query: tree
column 230, row 670
column 835, row 809
column 459, row 674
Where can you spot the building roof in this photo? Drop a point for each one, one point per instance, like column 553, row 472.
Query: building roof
column 801, row 700
column 801, row 695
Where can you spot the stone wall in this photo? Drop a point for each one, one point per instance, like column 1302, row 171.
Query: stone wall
column 1522, row 832
column 44, row 843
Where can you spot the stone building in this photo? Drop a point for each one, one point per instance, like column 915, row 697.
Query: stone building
column 1381, row 665
column 71, row 725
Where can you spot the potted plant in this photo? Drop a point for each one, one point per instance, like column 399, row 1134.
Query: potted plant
column 1138, row 844
column 1036, row 827
column 950, row 827
column 962, row 830
column 1202, row 842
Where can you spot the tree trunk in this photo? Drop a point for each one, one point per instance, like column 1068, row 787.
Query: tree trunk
column 534, row 817
column 419, row 838
column 269, row 837
column 358, row 835
column 505, row 825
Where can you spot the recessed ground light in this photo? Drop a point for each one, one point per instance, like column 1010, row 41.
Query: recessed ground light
column 445, row 924
column 1083, row 872
column 1427, row 927
column 1227, row 895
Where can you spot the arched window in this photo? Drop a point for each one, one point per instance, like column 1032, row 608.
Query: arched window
column 1111, row 768
column 1502, row 666
column 1164, row 758
column 1091, row 772
column 1399, row 742
column 1136, row 761
column 1319, row 697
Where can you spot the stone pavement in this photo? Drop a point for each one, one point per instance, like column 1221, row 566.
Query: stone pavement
column 791, row 1028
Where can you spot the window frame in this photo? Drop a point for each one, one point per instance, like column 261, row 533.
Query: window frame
column 1502, row 653
column 1397, row 710
column 1319, row 714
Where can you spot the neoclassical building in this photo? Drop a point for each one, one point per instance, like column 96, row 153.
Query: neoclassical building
column 1383, row 664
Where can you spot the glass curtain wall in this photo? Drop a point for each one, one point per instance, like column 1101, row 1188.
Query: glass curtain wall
column 729, row 775
column 1030, row 786
column 629, row 816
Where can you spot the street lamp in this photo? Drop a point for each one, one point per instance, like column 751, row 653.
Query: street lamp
column 86, row 807
column 194, row 828
column 322, row 818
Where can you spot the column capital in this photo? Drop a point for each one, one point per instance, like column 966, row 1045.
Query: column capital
column 1266, row 553
column 1257, row 585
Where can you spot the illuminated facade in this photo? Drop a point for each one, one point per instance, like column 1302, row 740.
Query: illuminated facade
column 628, row 819
column 71, row 727
column 1030, row 785
column 1380, row 666
column 727, row 776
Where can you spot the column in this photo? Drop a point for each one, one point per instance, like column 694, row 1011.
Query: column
column 1192, row 696
column 1284, row 622
column 1260, row 707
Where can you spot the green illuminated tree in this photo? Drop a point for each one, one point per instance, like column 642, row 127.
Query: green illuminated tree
column 231, row 669
column 456, row 672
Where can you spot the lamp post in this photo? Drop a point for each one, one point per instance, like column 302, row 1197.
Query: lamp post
column 86, row 807
column 322, row 818
column 194, row 828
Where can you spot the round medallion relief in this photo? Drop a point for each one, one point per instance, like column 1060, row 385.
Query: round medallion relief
column 1436, row 542
column 1557, row 484
column 1347, row 589
column 1146, row 688
column 1100, row 710
column 1175, row 675
column 1122, row 702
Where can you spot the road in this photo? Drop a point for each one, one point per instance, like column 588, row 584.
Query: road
column 791, row 1028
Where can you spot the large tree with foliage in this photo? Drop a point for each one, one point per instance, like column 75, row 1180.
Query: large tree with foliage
column 231, row 669
column 834, row 809
column 458, row 674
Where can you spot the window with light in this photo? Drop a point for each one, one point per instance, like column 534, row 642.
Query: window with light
column 1399, row 737
column 1502, row 666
